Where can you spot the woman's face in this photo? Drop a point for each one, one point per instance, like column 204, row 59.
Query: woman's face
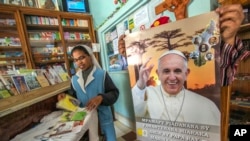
column 82, row 60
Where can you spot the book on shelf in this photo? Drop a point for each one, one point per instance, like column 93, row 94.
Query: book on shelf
column 20, row 83
column 2, row 42
column 82, row 23
column 52, row 76
column 44, row 35
column 32, row 81
column 14, row 41
column 11, row 22
column 2, row 55
column 14, row 54
column 41, row 20
column 34, row 19
column 34, row 36
column 86, row 36
column 64, row 76
column 68, row 103
column 61, row 72
column 26, row 71
column 72, row 22
column 41, row 78
column 28, row 20
column 11, row 69
column 9, row 84
column 4, row 92
column 30, row 78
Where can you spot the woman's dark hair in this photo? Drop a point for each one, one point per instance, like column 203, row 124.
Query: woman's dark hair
column 80, row 48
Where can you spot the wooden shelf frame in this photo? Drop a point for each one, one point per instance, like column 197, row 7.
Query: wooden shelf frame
column 15, row 103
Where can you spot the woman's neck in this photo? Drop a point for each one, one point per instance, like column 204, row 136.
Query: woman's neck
column 86, row 73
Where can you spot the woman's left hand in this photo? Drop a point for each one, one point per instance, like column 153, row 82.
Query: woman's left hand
column 231, row 17
column 94, row 103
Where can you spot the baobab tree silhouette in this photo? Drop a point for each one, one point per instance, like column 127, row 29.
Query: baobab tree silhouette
column 167, row 37
column 161, row 41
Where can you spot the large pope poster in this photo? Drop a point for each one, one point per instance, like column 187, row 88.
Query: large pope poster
column 192, row 114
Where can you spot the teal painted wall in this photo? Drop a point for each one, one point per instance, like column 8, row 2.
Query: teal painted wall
column 124, row 104
column 101, row 9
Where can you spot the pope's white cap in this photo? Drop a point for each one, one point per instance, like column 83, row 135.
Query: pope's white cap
column 177, row 52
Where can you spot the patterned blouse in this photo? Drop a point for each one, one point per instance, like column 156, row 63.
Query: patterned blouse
column 230, row 57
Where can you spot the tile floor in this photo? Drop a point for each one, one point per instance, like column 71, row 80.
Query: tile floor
column 121, row 130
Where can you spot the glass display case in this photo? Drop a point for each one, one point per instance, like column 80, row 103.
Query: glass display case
column 45, row 40
column 12, row 56
column 51, row 36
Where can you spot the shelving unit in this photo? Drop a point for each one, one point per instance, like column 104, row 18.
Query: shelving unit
column 240, row 89
column 228, row 106
column 45, row 37
column 15, row 103
column 51, row 36
column 12, row 54
column 235, row 112
column 245, row 28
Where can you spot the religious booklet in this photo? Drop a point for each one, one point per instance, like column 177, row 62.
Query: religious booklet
column 60, row 128
column 177, row 118
column 73, row 116
column 64, row 127
column 20, row 83
column 68, row 103
column 32, row 81
column 61, row 72
column 9, row 84
column 43, row 81
column 30, row 78
column 4, row 93
column 52, row 76
column 72, row 111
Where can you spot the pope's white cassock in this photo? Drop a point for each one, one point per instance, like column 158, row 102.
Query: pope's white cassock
column 186, row 106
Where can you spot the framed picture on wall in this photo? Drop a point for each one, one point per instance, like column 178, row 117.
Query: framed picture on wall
column 15, row 2
column 48, row 4
column 30, row 3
